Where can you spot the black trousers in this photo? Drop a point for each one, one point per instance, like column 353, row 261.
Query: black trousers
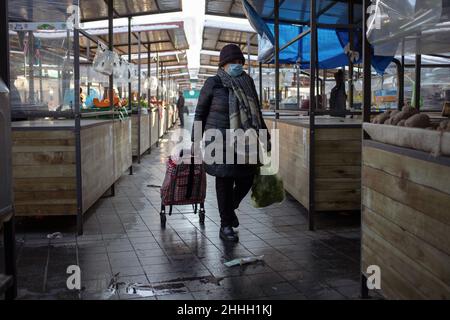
column 230, row 192
column 181, row 116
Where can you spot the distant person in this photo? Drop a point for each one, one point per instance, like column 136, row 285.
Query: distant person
column 180, row 107
column 227, row 101
column 338, row 97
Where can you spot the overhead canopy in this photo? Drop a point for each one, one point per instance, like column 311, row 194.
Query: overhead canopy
column 291, row 11
column 168, row 37
column 215, row 39
column 91, row 10
column 410, row 27
column 332, row 42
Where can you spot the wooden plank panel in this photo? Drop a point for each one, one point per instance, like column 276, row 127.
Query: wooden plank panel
column 39, row 158
column 154, row 127
column 28, row 135
column 44, row 142
column 419, row 171
column 344, row 172
column 338, row 158
column 145, row 133
column 421, row 283
column 419, row 224
column 339, row 196
column 426, row 200
column 293, row 162
column 338, row 205
column 430, row 258
column 46, row 183
column 47, row 195
column 122, row 149
column 42, row 171
column 337, row 184
column 343, row 134
column 97, row 162
column 393, row 286
column 40, row 210
column 43, row 149
column 342, row 146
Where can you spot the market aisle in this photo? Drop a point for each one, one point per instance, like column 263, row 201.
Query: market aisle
column 123, row 237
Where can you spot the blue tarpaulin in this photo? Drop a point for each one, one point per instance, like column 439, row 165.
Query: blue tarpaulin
column 331, row 42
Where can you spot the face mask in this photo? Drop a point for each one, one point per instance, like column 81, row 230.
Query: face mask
column 235, row 70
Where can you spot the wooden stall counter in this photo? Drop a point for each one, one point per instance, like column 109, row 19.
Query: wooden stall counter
column 406, row 215
column 145, row 133
column 44, row 163
column 154, row 123
column 337, row 161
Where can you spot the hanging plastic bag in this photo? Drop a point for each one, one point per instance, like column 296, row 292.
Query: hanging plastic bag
column 104, row 60
column 268, row 188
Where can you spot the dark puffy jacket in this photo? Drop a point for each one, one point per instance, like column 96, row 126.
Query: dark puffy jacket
column 213, row 111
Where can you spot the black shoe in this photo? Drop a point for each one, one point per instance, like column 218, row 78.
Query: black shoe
column 228, row 234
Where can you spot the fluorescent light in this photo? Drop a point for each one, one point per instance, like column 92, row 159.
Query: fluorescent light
column 144, row 55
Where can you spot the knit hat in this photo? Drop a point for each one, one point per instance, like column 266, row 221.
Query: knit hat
column 230, row 53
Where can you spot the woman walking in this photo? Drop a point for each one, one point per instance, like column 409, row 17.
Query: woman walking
column 228, row 101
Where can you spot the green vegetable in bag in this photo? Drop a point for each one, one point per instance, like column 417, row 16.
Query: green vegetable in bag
column 267, row 190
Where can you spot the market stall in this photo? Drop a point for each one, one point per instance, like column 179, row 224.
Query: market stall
column 337, row 165
column 323, row 45
column 71, row 130
column 406, row 167
column 44, row 163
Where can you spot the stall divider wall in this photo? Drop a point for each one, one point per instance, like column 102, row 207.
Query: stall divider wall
column 405, row 193
column 308, row 195
column 66, row 169
column 8, row 281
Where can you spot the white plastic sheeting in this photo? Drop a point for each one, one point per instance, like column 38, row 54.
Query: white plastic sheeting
column 409, row 27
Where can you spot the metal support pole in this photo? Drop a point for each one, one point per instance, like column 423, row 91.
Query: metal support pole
column 367, row 66
column 158, row 99
column 351, row 45
column 297, row 67
column 111, row 47
column 139, row 100
column 88, row 53
column 248, row 54
column 277, row 56
column 130, row 96
column 417, row 82
column 41, row 90
column 130, row 106
column 76, row 46
column 312, row 109
column 149, row 95
column 261, row 93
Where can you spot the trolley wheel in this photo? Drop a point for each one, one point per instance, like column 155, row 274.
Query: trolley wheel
column 162, row 215
column 201, row 216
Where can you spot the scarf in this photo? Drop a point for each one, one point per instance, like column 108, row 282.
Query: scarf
column 243, row 100
column 244, row 111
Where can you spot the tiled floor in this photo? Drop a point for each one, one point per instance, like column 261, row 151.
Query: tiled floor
column 123, row 237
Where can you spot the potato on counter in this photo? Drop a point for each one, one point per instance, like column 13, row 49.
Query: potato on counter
column 419, row 120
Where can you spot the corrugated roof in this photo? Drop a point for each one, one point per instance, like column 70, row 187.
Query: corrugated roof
column 215, row 39
column 291, row 11
column 91, row 10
